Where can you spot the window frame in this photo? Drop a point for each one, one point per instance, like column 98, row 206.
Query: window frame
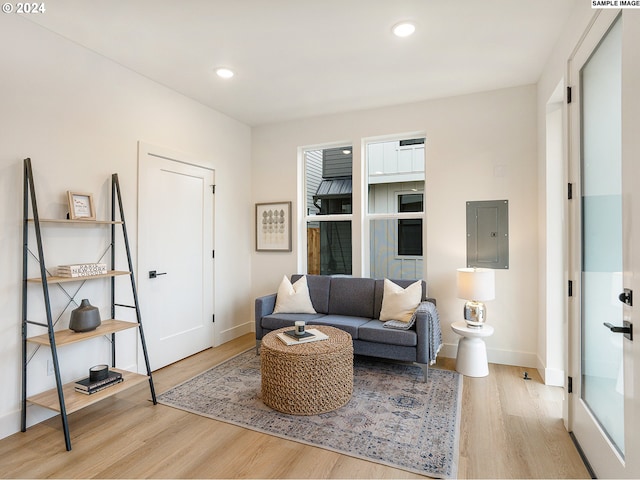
column 306, row 217
column 419, row 216
column 359, row 217
column 368, row 217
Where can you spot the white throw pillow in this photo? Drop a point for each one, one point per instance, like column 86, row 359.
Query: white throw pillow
column 293, row 298
column 399, row 303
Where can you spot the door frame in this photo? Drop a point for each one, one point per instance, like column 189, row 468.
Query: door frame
column 593, row 446
column 149, row 150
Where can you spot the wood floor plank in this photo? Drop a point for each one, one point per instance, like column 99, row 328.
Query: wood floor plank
column 510, row 428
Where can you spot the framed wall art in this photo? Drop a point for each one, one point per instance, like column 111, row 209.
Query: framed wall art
column 273, row 227
column 81, row 206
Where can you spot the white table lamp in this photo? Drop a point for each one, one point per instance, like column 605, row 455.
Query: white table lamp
column 476, row 285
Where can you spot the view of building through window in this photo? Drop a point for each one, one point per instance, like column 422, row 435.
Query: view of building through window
column 328, row 178
column 395, row 183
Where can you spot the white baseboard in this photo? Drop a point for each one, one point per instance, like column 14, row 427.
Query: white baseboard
column 553, row 377
column 10, row 422
column 502, row 357
column 236, row 331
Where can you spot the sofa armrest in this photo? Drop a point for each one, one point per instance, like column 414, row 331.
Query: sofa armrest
column 264, row 306
column 429, row 334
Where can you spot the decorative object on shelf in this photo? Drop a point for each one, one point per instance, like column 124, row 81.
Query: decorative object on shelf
column 476, row 285
column 85, row 318
column 81, row 206
column 82, row 270
column 108, row 378
column 98, row 372
column 273, row 227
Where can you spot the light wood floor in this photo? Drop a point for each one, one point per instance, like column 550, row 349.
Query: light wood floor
column 510, row 428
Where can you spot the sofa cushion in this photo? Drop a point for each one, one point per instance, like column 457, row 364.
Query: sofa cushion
column 351, row 296
column 374, row 331
column 347, row 323
column 281, row 320
column 293, row 298
column 400, row 303
column 379, row 293
column 319, row 286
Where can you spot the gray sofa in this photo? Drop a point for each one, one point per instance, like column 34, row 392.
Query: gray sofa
column 353, row 305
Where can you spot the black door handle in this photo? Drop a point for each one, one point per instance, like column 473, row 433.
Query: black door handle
column 155, row 274
column 626, row 329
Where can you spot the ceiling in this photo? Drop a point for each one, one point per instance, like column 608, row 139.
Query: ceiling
column 301, row 58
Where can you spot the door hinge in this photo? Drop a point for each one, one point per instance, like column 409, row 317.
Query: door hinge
column 570, row 290
column 568, row 94
column 569, row 384
column 213, row 189
column 213, row 254
column 570, row 191
column 213, row 318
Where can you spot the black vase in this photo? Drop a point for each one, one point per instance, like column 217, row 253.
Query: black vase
column 85, row 318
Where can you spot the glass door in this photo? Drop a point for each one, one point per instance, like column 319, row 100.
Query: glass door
column 599, row 234
column 602, row 368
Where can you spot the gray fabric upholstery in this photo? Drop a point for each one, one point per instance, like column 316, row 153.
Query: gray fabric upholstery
column 351, row 325
column 353, row 305
column 352, row 296
column 373, row 331
column 281, row 320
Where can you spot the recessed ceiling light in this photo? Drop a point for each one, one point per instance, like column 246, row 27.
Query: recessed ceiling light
column 346, row 151
column 404, row 29
column 224, row 72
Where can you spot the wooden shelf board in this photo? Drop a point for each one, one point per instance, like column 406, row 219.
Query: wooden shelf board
column 66, row 337
column 56, row 279
column 84, row 222
column 75, row 401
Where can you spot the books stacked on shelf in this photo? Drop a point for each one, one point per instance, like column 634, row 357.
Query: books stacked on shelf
column 82, row 270
column 88, row 387
column 311, row 335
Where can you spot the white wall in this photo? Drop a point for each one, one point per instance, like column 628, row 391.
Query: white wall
column 79, row 117
column 479, row 147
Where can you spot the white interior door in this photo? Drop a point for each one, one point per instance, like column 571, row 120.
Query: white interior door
column 601, row 406
column 175, row 240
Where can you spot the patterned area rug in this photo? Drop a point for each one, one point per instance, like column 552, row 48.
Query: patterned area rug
column 393, row 418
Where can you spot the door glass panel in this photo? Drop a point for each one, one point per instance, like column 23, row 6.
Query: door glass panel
column 602, row 375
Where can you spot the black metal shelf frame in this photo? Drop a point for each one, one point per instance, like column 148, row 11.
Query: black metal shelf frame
column 29, row 198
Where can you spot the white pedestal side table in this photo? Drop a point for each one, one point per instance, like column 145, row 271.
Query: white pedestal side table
column 472, row 351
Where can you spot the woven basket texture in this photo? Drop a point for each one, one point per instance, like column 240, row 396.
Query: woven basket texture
column 310, row 378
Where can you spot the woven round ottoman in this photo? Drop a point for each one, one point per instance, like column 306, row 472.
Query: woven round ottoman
column 309, row 378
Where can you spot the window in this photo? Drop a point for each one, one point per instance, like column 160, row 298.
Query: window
column 390, row 219
column 395, row 186
column 410, row 230
column 328, row 192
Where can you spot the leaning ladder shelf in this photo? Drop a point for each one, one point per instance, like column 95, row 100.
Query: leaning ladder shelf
column 63, row 399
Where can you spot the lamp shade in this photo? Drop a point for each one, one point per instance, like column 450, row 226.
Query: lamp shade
column 476, row 284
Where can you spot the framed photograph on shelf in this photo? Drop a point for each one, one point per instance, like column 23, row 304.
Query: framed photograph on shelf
column 81, row 206
column 273, row 227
